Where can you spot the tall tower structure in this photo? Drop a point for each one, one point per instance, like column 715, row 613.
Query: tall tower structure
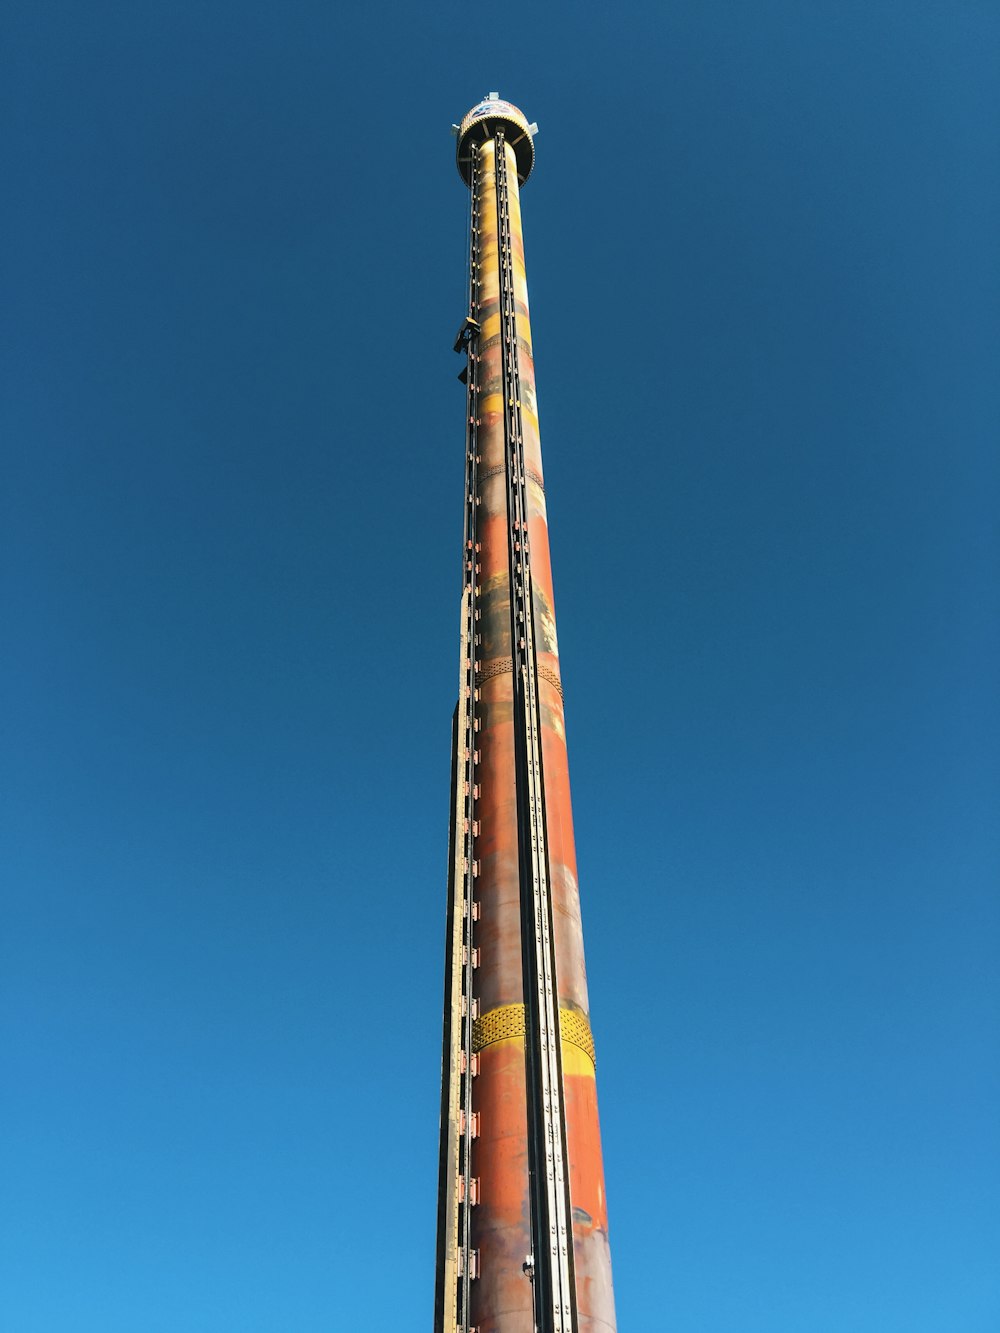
column 522, row 1215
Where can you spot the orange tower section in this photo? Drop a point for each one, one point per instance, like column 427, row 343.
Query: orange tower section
column 522, row 1213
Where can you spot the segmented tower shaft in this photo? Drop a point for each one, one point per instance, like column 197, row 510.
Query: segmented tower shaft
column 522, row 1219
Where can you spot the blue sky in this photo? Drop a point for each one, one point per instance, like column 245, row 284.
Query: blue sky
column 761, row 254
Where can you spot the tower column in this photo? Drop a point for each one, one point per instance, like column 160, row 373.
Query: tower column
column 530, row 1202
column 502, row 1297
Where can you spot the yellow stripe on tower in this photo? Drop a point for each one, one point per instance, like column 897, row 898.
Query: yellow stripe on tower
column 508, row 1021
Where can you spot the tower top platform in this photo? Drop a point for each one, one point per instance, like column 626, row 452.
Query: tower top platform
column 482, row 122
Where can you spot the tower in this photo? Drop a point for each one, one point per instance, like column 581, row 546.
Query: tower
column 522, row 1217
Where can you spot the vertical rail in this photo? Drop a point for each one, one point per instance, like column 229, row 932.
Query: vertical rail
column 469, row 598
column 455, row 1259
column 554, row 1283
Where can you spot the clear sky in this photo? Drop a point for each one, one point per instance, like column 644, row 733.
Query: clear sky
column 761, row 245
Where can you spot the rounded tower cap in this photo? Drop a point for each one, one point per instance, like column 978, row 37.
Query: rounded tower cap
column 482, row 122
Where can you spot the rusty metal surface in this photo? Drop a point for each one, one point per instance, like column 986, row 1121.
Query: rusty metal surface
column 504, row 1221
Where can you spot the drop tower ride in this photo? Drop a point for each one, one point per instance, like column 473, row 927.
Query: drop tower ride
column 522, row 1215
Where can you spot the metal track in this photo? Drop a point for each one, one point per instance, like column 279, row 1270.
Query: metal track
column 553, row 1282
column 455, row 1255
column 468, row 742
